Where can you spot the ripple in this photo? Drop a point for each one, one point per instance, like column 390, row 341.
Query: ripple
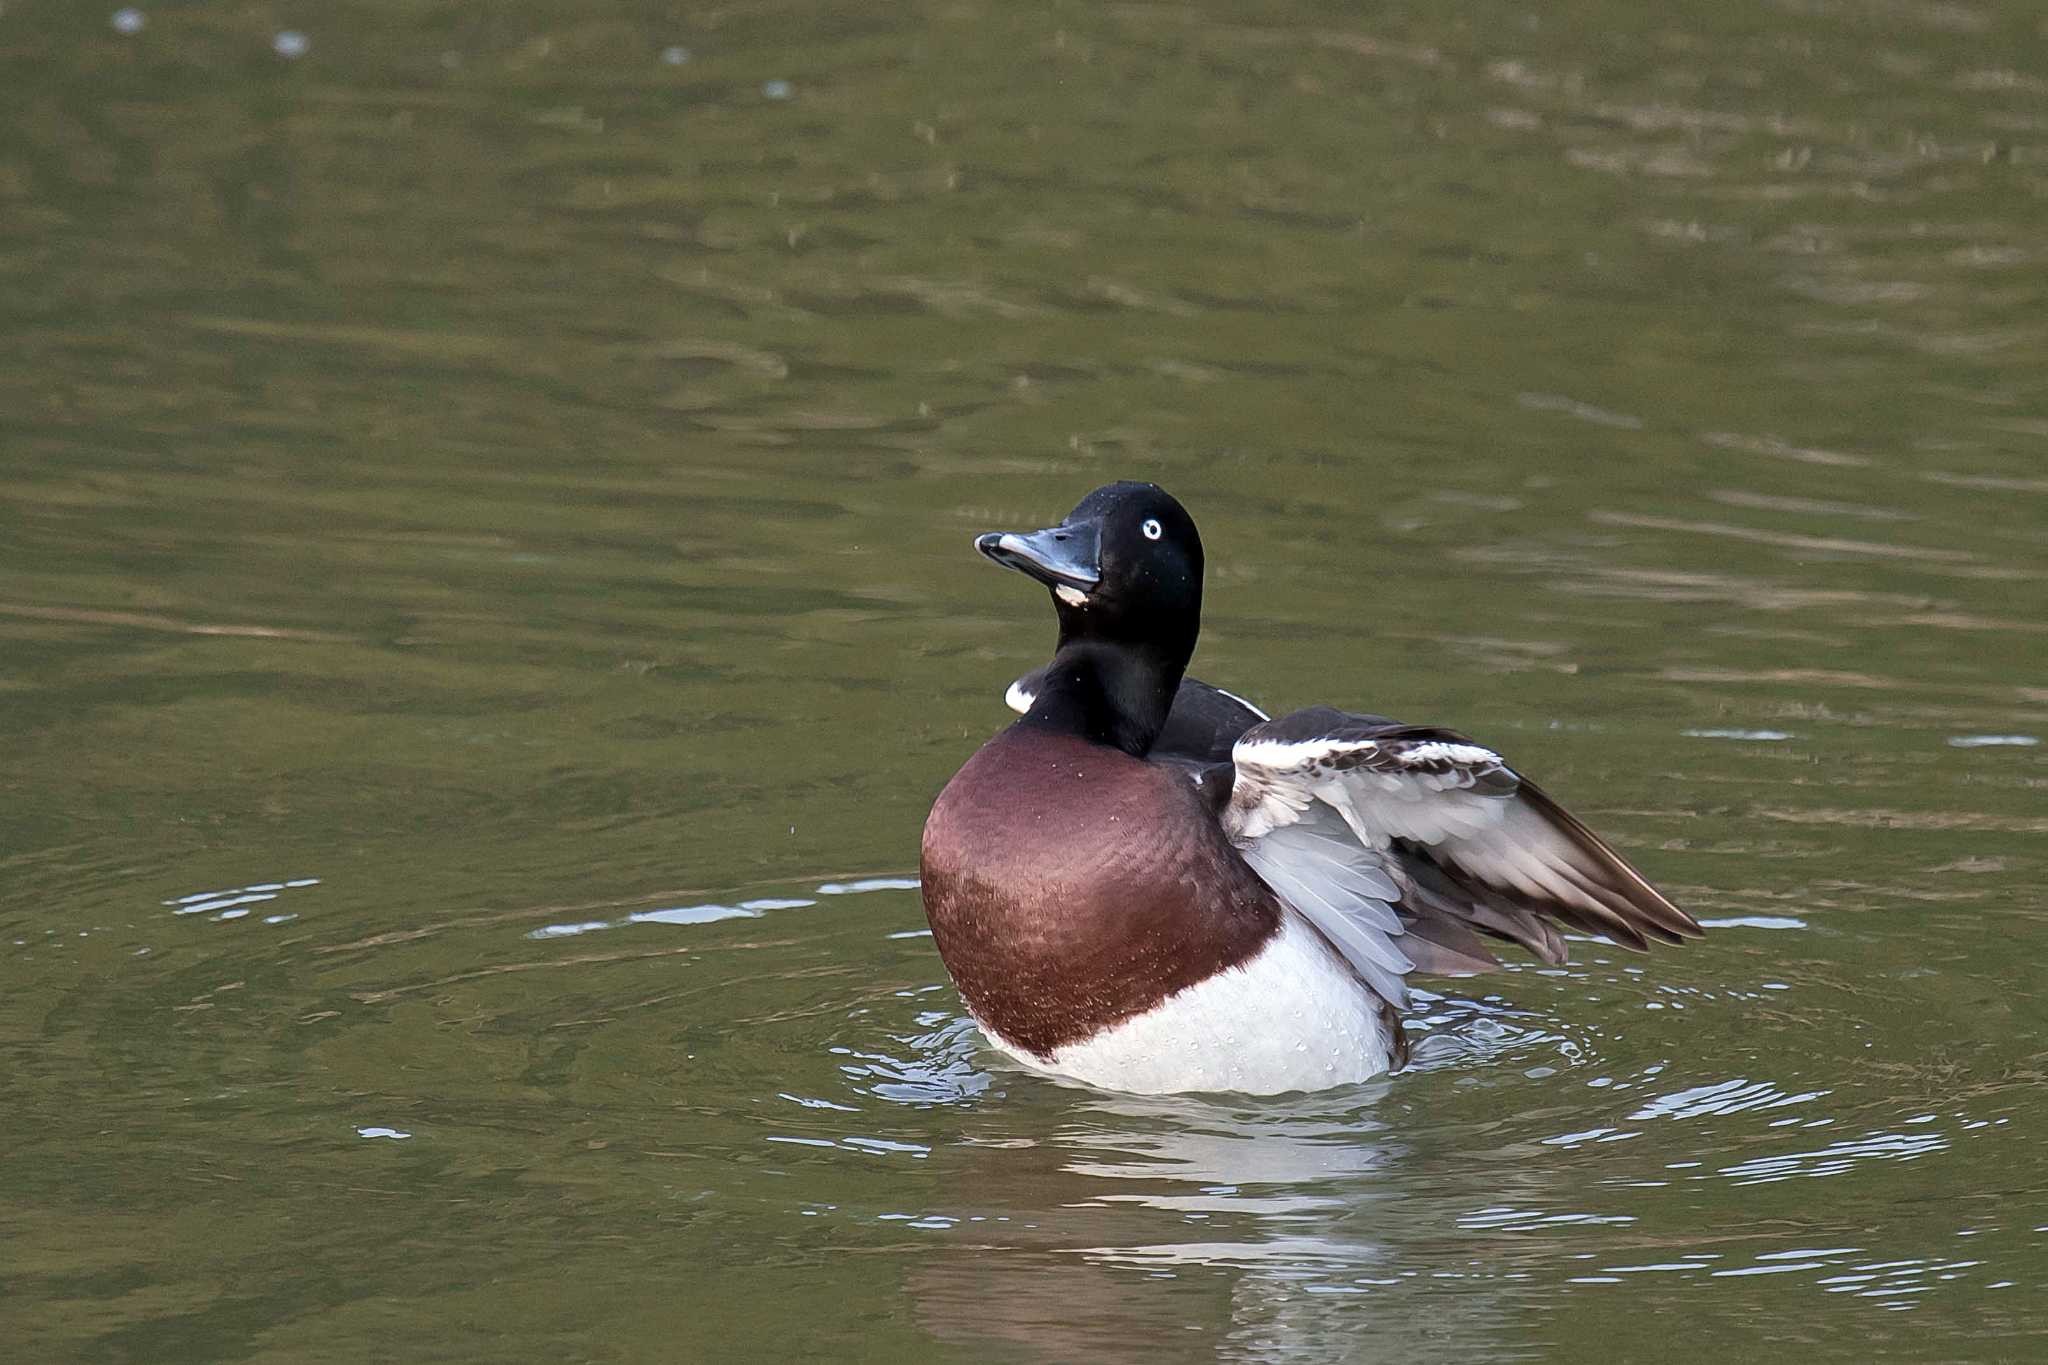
column 1506, row 1218
column 1806, row 506
column 1835, row 1158
column 1455, row 1033
column 1723, row 1097
column 233, row 902
column 1875, row 549
column 1572, row 407
column 866, row 1146
column 678, row 914
column 1892, row 1283
column 1754, row 922
column 1784, row 450
column 868, row 884
column 938, row 1070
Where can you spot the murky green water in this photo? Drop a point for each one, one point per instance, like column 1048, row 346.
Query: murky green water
column 485, row 604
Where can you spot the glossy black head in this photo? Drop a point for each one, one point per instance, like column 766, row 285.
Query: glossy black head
column 1125, row 571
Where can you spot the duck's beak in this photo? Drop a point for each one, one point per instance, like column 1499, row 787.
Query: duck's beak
column 1066, row 555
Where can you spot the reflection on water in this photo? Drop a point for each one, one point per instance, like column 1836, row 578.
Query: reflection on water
column 488, row 606
column 1277, row 1217
column 1321, row 1222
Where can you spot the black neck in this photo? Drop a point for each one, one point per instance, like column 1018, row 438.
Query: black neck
column 1110, row 694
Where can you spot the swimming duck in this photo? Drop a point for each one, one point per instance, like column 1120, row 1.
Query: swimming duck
column 1149, row 885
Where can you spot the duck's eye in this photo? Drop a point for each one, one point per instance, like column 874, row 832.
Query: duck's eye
column 1152, row 529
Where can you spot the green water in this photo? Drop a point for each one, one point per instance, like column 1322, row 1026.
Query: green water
column 488, row 499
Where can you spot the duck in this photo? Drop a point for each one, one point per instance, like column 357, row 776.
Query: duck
column 1147, row 884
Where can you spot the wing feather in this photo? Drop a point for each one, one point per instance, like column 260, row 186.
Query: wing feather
column 1474, row 847
column 1343, row 889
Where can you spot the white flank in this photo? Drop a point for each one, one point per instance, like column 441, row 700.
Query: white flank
column 1017, row 699
column 1072, row 596
column 1296, row 1017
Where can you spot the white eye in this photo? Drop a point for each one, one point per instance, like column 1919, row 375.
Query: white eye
column 1152, row 529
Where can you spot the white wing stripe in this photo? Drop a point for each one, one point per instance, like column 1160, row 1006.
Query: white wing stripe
column 1279, row 756
column 1441, row 751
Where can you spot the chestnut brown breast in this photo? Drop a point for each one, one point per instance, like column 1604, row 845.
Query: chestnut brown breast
column 1071, row 886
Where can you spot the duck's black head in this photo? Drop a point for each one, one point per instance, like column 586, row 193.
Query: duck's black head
column 1125, row 571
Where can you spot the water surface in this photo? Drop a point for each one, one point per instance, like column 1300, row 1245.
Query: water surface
column 485, row 604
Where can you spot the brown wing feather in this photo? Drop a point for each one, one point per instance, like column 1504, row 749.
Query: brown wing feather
column 1626, row 891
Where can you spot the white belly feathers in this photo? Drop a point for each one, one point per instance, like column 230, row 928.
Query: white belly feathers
column 1296, row 1017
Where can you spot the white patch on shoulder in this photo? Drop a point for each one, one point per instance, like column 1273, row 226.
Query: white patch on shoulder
column 1296, row 1017
column 1242, row 702
column 1070, row 595
column 1017, row 699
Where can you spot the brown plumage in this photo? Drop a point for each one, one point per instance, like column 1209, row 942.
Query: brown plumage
column 1071, row 886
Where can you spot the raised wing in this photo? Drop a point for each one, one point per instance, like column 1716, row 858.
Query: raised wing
column 1472, row 847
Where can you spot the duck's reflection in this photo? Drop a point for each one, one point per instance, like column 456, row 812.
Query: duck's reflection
column 1175, row 1228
